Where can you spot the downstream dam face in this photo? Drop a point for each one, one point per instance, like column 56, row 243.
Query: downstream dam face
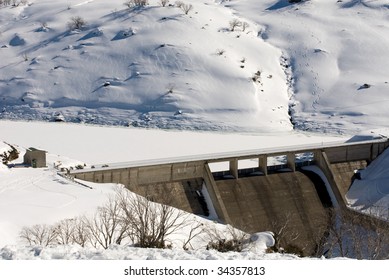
column 285, row 203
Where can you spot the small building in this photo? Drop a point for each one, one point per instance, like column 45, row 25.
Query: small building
column 35, row 158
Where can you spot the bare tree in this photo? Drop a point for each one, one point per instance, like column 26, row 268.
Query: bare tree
column 25, row 57
column 227, row 240
column 245, row 25
column 81, row 234
column 106, row 228
column 220, row 51
column 179, row 4
column 76, row 22
column 5, row 2
column 163, row 3
column 65, row 231
column 150, row 224
column 39, row 235
column 284, row 234
column 357, row 236
column 234, row 24
column 125, row 216
column 186, row 8
column 195, row 231
column 136, row 3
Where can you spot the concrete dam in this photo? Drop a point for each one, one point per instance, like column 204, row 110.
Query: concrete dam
column 262, row 198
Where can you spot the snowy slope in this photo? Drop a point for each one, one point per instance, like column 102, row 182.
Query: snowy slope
column 325, row 62
column 151, row 66
column 370, row 194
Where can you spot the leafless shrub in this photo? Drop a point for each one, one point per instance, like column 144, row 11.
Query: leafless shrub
column 179, row 4
column 25, row 57
column 245, row 25
column 170, row 88
column 196, row 230
column 43, row 235
column 44, row 25
column 106, row 228
column 125, row 216
column 81, row 233
column 354, row 235
column 5, row 2
column 136, row 3
column 230, row 240
column 65, row 231
column 163, row 3
column 284, row 235
column 150, row 224
column 220, row 51
column 234, row 24
column 76, row 22
column 186, row 8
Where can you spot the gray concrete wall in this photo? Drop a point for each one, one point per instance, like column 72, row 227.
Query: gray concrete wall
column 35, row 155
column 344, row 173
column 145, row 175
column 324, row 164
column 355, row 152
column 180, row 194
column 267, row 203
column 214, row 193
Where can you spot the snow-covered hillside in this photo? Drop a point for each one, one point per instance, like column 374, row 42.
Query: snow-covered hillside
column 339, row 58
column 147, row 66
column 324, row 62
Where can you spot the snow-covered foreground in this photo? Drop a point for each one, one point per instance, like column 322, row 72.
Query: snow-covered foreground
column 130, row 253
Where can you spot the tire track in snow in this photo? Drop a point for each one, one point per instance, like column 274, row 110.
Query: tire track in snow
column 35, row 184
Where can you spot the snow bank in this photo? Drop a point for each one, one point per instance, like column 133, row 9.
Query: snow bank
column 129, row 253
column 370, row 194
